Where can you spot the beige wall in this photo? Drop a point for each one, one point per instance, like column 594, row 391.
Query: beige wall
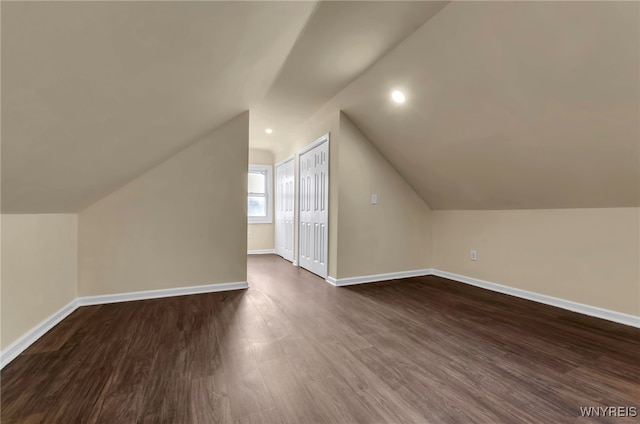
column 391, row 236
column 262, row 236
column 182, row 223
column 39, row 270
column 365, row 239
column 590, row 256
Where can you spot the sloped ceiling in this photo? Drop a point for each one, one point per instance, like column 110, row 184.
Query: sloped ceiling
column 95, row 93
column 511, row 105
column 340, row 42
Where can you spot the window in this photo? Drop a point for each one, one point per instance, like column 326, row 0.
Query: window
column 259, row 194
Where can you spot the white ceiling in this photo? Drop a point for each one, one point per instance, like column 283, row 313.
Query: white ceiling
column 511, row 105
column 340, row 42
column 95, row 93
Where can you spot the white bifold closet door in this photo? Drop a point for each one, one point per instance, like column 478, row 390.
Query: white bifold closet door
column 313, row 203
column 285, row 198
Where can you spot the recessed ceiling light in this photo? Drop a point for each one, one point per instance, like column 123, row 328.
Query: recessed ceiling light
column 398, row 96
column 269, row 131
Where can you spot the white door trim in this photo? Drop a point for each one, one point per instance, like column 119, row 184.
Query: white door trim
column 285, row 160
column 313, row 145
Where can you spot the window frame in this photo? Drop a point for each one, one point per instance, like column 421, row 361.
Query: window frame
column 267, row 170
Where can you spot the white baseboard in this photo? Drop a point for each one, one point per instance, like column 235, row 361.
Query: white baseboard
column 26, row 340
column 262, row 252
column 157, row 294
column 340, row 282
column 594, row 311
column 30, row 337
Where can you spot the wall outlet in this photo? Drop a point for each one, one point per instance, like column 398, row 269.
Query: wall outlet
column 474, row 255
column 374, row 199
column 250, row 235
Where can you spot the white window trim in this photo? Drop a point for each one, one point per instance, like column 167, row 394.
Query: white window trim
column 268, row 170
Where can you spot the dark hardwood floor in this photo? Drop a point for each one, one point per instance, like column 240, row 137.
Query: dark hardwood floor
column 293, row 349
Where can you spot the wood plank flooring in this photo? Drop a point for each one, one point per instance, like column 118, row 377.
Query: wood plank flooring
column 293, row 349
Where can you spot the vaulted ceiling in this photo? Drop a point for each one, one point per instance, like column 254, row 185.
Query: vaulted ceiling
column 509, row 104
column 341, row 41
column 95, row 93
